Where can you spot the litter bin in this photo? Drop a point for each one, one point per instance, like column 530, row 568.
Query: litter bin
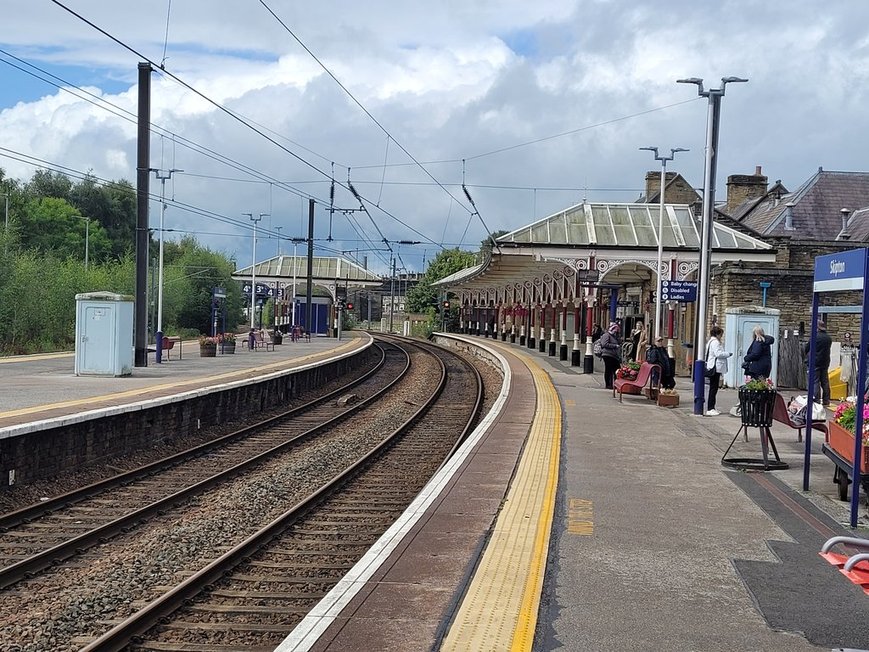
column 103, row 334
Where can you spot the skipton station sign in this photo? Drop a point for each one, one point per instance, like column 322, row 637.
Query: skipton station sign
column 845, row 270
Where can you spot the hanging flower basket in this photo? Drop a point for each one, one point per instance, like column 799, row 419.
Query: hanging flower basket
column 756, row 406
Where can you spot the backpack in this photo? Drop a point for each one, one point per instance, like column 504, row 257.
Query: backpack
column 598, row 349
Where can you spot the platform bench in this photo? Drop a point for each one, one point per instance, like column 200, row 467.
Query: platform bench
column 635, row 386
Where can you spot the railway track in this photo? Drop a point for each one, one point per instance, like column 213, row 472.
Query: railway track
column 252, row 596
column 42, row 535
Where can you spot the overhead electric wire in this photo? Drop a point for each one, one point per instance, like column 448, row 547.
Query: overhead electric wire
column 225, row 110
column 358, row 103
column 124, row 114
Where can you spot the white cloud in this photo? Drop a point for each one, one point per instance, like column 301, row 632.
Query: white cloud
column 449, row 81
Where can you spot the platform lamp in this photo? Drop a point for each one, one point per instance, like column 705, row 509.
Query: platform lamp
column 714, row 96
column 253, row 270
column 663, row 160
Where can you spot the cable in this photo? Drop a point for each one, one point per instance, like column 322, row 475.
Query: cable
column 122, row 113
column 232, row 114
column 575, row 131
column 352, row 97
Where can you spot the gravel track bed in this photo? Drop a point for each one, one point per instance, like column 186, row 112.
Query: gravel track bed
column 60, row 609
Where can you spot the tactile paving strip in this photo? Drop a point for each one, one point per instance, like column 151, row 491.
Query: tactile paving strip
column 499, row 610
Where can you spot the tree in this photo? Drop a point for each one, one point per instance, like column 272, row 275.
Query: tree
column 113, row 206
column 45, row 183
column 423, row 296
column 53, row 225
column 486, row 245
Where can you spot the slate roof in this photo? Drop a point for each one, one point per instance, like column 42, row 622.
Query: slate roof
column 817, row 206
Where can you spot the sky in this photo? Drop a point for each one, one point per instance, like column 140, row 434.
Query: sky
column 534, row 106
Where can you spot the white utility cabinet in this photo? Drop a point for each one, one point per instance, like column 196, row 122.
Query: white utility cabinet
column 103, row 334
column 738, row 326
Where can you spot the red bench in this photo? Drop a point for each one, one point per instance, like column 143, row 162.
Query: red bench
column 644, row 377
column 780, row 413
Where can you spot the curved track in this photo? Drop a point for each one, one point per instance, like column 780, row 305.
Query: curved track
column 252, row 596
column 42, row 535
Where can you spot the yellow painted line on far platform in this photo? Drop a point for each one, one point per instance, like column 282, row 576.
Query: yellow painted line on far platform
column 177, row 384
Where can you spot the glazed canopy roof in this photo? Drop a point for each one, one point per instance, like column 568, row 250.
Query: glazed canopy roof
column 627, row 225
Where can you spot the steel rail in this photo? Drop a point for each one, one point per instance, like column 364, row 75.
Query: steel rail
column 128, row 631
column 52, row 556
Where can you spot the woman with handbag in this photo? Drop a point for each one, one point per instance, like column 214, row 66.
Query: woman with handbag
column 716, row 365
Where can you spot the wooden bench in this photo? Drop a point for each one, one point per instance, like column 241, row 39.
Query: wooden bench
column 261, row 342
column 644, row 377
column 780, row 413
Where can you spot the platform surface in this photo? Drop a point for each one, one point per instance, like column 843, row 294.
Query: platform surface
column 37, row 387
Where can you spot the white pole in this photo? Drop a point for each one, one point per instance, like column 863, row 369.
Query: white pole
column 293, row 299
column 253, row 276
column 87, row 234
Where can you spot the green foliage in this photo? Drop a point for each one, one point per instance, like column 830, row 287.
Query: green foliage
column 53, row 226
column 42, row 263
column 422, row 296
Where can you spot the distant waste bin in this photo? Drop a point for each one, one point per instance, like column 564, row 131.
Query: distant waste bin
column 103, row 334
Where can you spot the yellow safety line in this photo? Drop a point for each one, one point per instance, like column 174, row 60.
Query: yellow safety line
column 500, row 608
column 180, row 383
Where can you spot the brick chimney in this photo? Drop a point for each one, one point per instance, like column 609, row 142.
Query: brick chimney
column 742, row 187
column 653, row 184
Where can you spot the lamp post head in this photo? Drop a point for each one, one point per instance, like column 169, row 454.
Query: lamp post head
column 679, row 149
column 654, row 150
column 728, row 80
column 692, row 80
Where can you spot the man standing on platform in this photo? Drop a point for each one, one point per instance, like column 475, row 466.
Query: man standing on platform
column 823, row 342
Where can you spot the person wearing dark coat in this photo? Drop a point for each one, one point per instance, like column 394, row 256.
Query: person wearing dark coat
column 823, row 343
column 657, row 354
column 758, row 359
column 611, row 352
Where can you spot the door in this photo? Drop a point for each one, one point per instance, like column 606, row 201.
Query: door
column 97, row 340
column 744, row 336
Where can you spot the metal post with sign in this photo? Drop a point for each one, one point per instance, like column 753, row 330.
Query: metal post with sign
column 841, row 272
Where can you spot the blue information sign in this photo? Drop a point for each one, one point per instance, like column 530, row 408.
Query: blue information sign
column 840, row 271
column 681, row 291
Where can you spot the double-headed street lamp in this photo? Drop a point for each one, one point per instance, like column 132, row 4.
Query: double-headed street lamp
column 162, row 176
column 663, row 160
column 253, row 268
column 714, row 96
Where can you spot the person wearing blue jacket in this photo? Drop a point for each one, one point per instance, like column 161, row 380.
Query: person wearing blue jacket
column 758, row 359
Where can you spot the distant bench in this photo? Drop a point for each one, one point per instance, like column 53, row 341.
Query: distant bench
column 168, row 345
column 635, row 386
column 259, row 342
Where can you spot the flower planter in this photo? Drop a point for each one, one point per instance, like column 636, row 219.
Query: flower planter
column 756, row 407
column 208, row 350
column 842, row 441
column 227, row 347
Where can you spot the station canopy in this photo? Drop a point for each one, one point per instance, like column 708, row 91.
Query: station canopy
column 326, row 270
column 624, row 232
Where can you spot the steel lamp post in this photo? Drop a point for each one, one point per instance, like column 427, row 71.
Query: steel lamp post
column 663, row 160
column 714, row 96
